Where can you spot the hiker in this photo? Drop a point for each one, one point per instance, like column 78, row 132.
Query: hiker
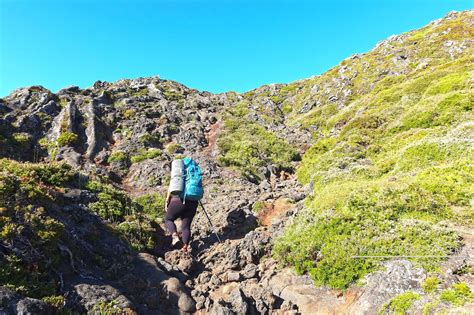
column 177, row 208
column 183, row 197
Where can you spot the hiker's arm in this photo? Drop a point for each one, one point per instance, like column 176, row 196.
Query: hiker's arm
column 168, row 198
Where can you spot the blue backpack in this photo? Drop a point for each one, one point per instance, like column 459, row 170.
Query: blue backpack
column 192, row 180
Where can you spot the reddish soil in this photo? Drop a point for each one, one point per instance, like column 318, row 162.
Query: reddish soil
column 212, row 138
column 272, row 210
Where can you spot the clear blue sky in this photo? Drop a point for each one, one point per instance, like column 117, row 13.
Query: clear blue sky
column 217, row 46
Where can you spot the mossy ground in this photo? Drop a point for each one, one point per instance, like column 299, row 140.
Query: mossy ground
column 438, row 300
column 458, row 294
column 392, row 170
column 400, row 304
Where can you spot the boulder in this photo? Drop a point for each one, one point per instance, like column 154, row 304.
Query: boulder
column 218, row 309
column 33, row 306
column 250, row 271
column 397, row 277
column 239, row 303
column 146, row 267
column 181, row 260
column 8, row 301
column 153, row 298
column 176, row 294
column 91, row 295
column 233, row 276
column 12, row 303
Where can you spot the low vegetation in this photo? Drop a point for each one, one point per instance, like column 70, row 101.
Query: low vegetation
column 430, row 285
column 249, row 146
column 133, row 219
column 117, row 156
column 400, row 304
column 65, row 138
column 32, row 226
column 145, row 154
column 391, row 170
column 458, row 294
column 25, row 192
column 258, row 206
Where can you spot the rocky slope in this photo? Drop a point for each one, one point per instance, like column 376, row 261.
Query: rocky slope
column 373, row 157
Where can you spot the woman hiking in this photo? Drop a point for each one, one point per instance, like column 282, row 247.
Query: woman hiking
column 183, row 197
column 185, row 210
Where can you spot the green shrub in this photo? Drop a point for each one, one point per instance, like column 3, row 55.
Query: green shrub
column 371, row 221
column 108, row 208
column 138, row 92
column 401, row 303
column 57, row 301
column 130, row 218
column 23, row 188
column 153, row 205
column 249, row 146
column 241, row 109
column 21, row 137
column 107, row 308
column 288, row 89
column 429, row 307
column 430, row 154
column 8, row 187
column 63, row 102
column 286, row 108
column 112, row 204
column 276, row 99
column 173, row 95
column 137, row 232
column 146, row 154
column 55, row 174
column 117, row 156
column 173, row 147
column 14, row 273
column 44, row 143
column 458, row 295
column 258, row 206
column 66, row 138
column 148, row 139
column 441, row 110
column 312, row 159
column 128, row 113
column 430, row 284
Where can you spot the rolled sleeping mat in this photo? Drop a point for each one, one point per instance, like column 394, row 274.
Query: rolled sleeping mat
column 176, row 184
column 177, row 168
column 177, row 177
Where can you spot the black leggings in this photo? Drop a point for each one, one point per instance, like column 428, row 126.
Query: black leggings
column 186, row 211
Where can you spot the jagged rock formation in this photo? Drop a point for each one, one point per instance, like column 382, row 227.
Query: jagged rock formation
column 91, row 237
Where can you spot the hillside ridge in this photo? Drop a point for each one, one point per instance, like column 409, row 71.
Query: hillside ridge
column 371, row 158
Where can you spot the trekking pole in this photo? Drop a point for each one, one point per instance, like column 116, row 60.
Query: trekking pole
column 210, row 223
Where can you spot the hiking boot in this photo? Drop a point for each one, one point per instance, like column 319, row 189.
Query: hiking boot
column 175, row 239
